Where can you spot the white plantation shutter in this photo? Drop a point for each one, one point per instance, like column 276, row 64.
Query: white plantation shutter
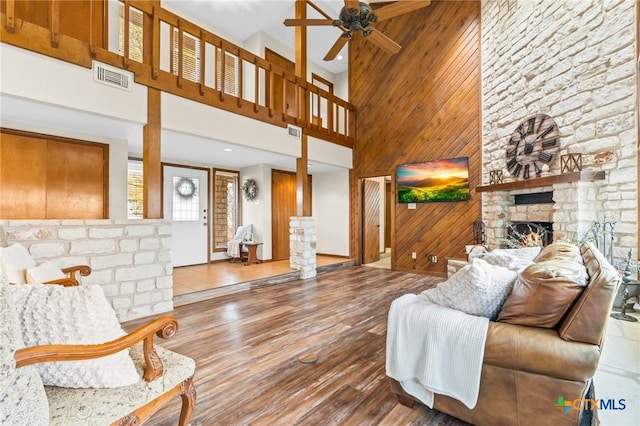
column 190, row 56
column 230, row 72
column 136, row 34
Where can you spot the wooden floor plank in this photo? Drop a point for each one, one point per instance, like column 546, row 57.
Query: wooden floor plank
column 246, row 347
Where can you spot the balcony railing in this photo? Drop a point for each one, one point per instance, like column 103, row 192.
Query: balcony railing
column 171, row 54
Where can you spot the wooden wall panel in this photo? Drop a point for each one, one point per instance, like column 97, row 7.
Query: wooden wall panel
column 419, row 105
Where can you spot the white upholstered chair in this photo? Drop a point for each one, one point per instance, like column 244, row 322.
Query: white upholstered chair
column 21, row 268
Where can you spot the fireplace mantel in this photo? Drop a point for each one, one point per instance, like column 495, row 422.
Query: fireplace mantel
column 582, row 176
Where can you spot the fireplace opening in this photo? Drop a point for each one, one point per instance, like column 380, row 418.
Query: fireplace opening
column 530, row 233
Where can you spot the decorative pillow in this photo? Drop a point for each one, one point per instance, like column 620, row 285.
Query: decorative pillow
column 15, row 260
column 544, row 292
column 22, row 397
column 478, row 289
column 47, row 271
column 560, row 250
column 506, row 260
column 523, row 253
column 53, row 314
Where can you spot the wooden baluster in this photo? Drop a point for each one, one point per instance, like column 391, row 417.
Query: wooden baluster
column 223, row 63
column 269, row 89
column 240, row 81
column 125, row 59
column 256, row 90
column 92, row 18
column 318, row 104
column 330, row 114
column 55, row 23
column 155, row 44
column 180, row 53
column 10, row 12
column 285, row 105
column 203, row 39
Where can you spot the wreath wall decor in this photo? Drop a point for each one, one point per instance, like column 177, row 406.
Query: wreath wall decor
column 185, row 188
column 250, row 189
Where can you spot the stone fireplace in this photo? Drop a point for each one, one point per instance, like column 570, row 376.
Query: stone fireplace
column 565, row 210
column 572, row 80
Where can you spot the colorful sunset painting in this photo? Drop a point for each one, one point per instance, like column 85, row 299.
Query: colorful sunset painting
column 432, row 181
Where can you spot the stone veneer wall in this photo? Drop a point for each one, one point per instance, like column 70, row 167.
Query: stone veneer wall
column 130, row 259
column 302, row 244
column 575, row 61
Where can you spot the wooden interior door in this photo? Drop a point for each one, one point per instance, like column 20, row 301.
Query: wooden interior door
column 290, row 106
column 283, row 206
column 371, row 225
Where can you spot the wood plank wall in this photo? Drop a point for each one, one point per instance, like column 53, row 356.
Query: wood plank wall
column 419, row 105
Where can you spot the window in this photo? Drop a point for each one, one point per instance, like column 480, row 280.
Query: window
column 136, row 34
column 190, row 55
column 134, row 190
column 186, row 199
column 226, row 208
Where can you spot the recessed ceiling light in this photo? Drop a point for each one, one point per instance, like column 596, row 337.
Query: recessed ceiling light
column 339, row 57
column 228, row 149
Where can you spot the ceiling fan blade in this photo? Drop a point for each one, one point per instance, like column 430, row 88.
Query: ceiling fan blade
column 336, row 48
column 399, row 7
column 384, row 42
column 308, row 22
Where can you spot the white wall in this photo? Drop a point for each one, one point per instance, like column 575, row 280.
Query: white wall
column 182, row 115
column 258, row 211
column 330, row 209
column 44, row 95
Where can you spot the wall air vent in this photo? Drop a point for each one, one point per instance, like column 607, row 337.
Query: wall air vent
column 294, row 131
column 112, row 76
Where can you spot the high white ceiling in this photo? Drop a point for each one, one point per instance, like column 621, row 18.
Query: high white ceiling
column 239, row 20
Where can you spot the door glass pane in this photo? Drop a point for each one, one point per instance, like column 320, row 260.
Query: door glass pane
column 186, row 198
column 226, row 208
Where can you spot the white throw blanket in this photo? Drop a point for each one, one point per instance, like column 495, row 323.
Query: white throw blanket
column 433, row 349
column 233, row 248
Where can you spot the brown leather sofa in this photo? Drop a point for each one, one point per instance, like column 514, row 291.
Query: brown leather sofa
column 526, row 368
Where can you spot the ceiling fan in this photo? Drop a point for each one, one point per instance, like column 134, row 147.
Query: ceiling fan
column 358, row 17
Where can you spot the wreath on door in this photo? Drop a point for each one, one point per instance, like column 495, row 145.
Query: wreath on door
column 250, row 189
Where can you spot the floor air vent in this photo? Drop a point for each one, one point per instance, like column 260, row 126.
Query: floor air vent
column 112, row 76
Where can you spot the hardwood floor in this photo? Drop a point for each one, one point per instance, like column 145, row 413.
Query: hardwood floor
column 191, row 279
column 246, row 347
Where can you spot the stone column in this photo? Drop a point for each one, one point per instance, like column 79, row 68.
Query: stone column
column 302, row 245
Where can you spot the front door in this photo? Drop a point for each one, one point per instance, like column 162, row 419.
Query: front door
column 186, row 206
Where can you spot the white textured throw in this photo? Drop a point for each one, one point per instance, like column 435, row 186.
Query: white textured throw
column 434, row 349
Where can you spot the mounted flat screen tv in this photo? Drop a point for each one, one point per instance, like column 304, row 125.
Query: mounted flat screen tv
column 433, row 181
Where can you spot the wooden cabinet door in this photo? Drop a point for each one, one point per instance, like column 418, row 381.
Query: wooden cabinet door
column 23, row 177
column 52, row 178
column 75, row 181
